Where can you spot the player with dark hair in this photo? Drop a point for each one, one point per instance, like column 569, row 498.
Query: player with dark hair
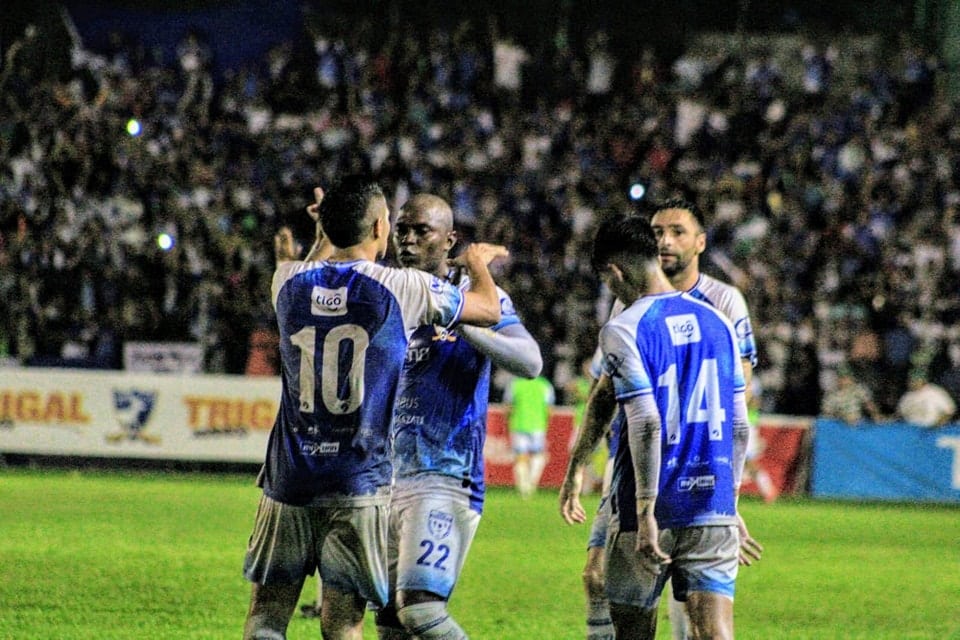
column 680, row 229
column 439, row 428
column 677, row 377
column 344, row 324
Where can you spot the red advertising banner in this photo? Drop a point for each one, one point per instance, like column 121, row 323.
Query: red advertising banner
column 784, row 455
column 784, row 451
column 498, row 455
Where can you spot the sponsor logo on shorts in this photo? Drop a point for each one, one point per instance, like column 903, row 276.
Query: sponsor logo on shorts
column 328, row 302
column 696, row 483
column 684, row 329
column 440, row 524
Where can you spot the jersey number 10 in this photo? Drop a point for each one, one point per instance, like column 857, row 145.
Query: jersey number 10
column 331, row 374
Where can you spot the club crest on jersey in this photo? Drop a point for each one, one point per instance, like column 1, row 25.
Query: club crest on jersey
column 507, row 308
column 132, row 410
column 440, row 524
column 442, row 334
column 684, row 329
column 328, row 302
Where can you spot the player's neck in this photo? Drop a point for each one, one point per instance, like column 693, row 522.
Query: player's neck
column 657, row 282
column 685, row 280
column 363, row 251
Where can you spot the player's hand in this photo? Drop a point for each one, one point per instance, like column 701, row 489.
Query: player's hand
column 479, row 253
column 750, row 549
column 648, row 535
column 285, row 248
column 571, row 510
column 313, row 210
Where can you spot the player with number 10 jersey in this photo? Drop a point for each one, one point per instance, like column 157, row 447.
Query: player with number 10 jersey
column 341, row 326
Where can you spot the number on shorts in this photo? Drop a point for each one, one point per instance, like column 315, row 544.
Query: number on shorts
column 427, row 558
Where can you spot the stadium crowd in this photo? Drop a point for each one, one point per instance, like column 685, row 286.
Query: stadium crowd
column 830, row 172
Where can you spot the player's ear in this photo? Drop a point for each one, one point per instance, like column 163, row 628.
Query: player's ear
column 451, row 240
column 616, row 272
column 701, row 242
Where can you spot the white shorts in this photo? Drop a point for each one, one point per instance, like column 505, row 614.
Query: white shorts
column 347, row 544
column 702, row 559
column 528, row 442
column 431, row 529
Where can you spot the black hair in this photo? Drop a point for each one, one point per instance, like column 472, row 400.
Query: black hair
column 344, row 210
column 680, row 203
column 624, row 236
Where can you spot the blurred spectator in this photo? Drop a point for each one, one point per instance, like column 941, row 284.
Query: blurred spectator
column 925, row 404
column 832, row 172
column 849, row 401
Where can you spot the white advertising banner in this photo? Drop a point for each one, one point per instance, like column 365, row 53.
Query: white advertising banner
column 132, row 415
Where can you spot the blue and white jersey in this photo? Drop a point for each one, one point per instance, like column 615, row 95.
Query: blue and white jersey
column 730, row 302
column 683, row 353
column 344, row 329
column 440, row 414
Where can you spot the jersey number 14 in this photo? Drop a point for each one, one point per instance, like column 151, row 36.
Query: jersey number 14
column 703, row 405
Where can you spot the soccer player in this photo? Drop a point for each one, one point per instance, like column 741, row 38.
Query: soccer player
column 681, row 233
column 677, row 376
column 344, row 324
column 530, row 401
column 439, row 428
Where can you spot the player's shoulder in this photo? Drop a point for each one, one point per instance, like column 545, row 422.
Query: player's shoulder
column 714, row 287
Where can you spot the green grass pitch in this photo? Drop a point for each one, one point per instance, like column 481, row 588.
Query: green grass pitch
column 103, row 555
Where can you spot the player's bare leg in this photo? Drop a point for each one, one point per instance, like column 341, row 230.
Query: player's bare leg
column 634, row 623
column 599, row 624
column 538, row 461
column 677, row 614
column 521, row 474
column 710, row 616
column 341, row 616
column 271, row 607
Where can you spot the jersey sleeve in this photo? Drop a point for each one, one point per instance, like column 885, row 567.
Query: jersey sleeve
column 622, row 362
column 596, row 363
column 740, row 317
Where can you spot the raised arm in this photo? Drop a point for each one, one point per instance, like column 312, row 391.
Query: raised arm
column 322, row 248
column 510, row 347
column 481, row 305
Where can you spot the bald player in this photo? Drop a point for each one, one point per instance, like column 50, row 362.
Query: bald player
column 438, row 431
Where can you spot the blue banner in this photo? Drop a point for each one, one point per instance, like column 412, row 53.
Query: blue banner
column 893, row 461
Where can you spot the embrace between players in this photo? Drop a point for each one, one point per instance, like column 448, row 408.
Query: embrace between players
column 373, row 474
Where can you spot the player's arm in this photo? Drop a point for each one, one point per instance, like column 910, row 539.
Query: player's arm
column 750, row 549
column 322, row 247
column 598, row 412
column 481, row 304
column 510, row 347
column 747, row 377
column 643, row 436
